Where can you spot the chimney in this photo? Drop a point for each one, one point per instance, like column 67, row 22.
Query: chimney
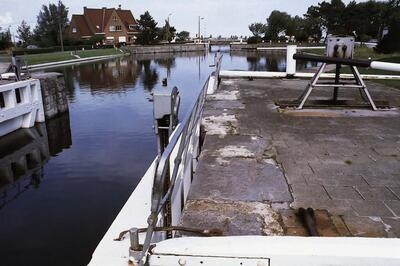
column 119, row 7
column 84, row 9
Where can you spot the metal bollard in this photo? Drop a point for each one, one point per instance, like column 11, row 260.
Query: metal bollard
column 134, row 237
column 135, row 249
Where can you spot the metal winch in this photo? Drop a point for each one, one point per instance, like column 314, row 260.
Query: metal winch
column 340, row 47
column 339, row 51
column 166, row 103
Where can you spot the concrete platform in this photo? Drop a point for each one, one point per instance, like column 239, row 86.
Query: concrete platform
column 260, row 163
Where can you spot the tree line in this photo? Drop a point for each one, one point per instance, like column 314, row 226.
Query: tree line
column 151, row 34
column 379, row 20
column 53, row 20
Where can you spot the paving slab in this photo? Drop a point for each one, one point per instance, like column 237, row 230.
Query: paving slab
column 342, row 162
column 242, row 179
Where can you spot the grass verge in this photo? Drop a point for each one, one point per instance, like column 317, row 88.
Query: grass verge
column 62, row 56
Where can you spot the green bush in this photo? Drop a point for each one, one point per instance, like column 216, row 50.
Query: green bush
column 33, row 51
column 390, row 43
column 254, row 40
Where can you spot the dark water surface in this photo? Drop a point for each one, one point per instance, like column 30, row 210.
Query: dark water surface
column 62, row 183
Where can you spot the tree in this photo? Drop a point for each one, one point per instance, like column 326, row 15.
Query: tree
column 332, row 16
column 52, row 20
column 298, row 29
column 5, row 39
column 167, row 33
column 148, row 29
column 277, row 22
column 24, row 33
column 258, row 29
column 313, row 24
column 183, row 36
column 390, row 42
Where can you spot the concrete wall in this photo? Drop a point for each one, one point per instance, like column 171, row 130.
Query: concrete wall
column 172, row 48
column 53, row 93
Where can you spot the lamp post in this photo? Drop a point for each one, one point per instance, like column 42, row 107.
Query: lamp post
column 200, row 19
column 168, row 33
column 170, row 14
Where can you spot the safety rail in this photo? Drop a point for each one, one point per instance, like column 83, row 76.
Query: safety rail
column 177, row 163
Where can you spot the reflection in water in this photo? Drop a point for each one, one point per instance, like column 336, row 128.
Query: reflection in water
column 120, row 74
column 269, row 61
column 59, row 134
column 23, row 154
column 149, row 75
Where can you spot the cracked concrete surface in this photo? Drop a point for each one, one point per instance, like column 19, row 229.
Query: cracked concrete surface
column 344, row 163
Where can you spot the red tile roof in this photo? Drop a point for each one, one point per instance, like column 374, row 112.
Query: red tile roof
column 94, row 20
column 81, row 25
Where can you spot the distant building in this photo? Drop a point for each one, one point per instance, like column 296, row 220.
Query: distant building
column 115, row 24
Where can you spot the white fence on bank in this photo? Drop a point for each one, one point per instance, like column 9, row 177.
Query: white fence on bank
column 292, row 72
column 20, row 105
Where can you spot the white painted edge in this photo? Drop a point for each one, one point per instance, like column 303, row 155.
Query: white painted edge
column 133, row 214
column 285, row 47
column 267, row 74
column 287, row 250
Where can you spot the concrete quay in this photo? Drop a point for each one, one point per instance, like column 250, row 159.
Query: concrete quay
column 260, row 163
column 167, row 48
column 52, row 85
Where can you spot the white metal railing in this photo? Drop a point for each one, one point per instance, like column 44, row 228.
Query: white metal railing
column 177, row 159
column 177, row 163
column 298, row 47
column 291, row 68
column 21, row 105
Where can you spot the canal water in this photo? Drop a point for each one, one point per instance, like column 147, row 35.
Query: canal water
column 77, row 170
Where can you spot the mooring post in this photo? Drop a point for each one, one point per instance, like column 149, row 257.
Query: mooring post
column 290, row 62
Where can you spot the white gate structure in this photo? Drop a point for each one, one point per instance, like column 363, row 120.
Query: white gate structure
column 21, row 105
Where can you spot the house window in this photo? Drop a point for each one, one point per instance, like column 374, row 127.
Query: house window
column 118, row 28
column 73, row 30
column 112, row 28
column 114, row 18
column 132, row 27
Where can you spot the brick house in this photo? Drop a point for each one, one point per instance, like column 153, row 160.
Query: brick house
column 115, row 24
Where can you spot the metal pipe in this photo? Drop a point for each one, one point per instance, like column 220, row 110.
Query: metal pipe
column 134, row 237
column 308, row 219
column 385, row 66
column 349, row 62
column 332, row 60
column 337, row 79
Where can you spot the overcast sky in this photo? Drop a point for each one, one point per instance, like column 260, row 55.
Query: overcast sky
column 221, row 17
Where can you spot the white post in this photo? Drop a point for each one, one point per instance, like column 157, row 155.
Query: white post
column 290, row 62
